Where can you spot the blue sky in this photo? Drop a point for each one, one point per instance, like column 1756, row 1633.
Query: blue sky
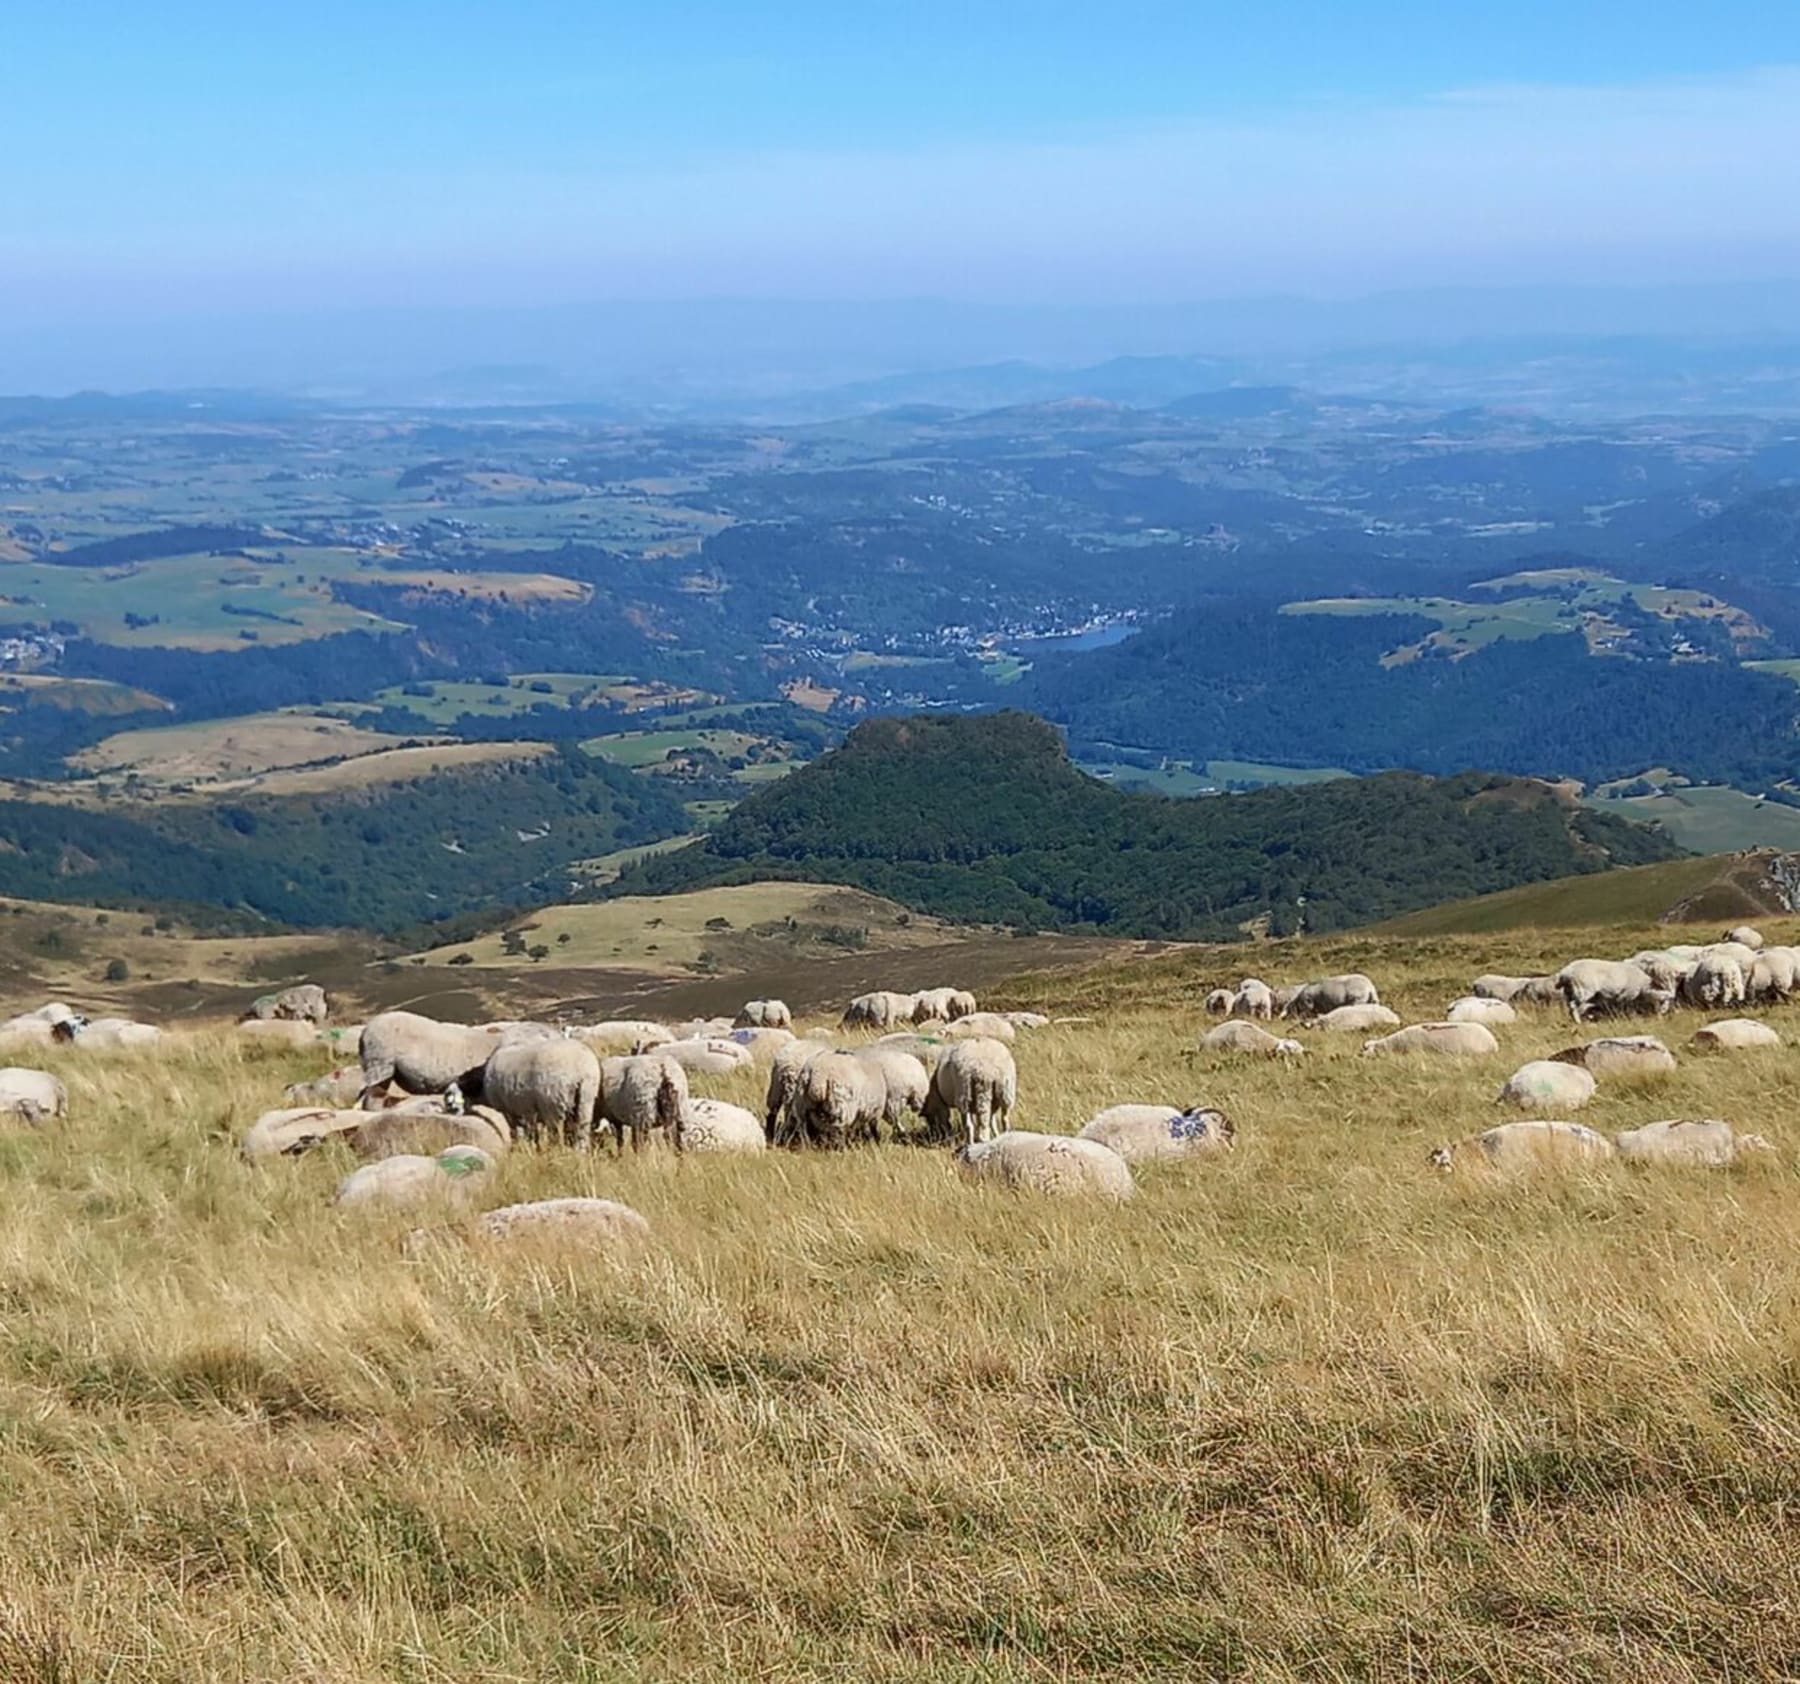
column 168, row 156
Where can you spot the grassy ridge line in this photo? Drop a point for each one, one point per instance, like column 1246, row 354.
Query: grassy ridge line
column 1306, row 1412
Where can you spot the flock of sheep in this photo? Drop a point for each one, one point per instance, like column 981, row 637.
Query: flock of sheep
column 429, row 1107
column 1739, row 970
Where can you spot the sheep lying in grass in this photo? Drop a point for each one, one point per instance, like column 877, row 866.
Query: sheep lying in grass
column 713, row 1056
column 1497, row 987
column 1702, row 1143
column 1239, row 1036
column 982, row 1026
column 1047, row 1163
column 335, row 1088
column 640, row 1094
column 978, row 1081
column 402, row 1132
column 545, row 1086
column 1620, row 1055
column 33, row 1096
column 408, row 1180
column 1142, row 1133
column 1532, row 1145
column 711, row 1125
column 550, row 1225
column 1735, row 1034
column 623, row 1035
column 1357, row 1020
column 1471, row 1008
column 104, row 1034
column 1543, row 1084
column 1439, row 1040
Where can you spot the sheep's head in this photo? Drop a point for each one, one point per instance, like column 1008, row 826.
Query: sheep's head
column 1288, row 1049
column 1441, row 1157
column 69, row 1028
column 1754, row 1143
column 1201, row 1122
column 455, row 1104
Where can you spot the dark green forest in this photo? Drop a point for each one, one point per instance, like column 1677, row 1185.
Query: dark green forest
column 984, row 818
column 394, row 858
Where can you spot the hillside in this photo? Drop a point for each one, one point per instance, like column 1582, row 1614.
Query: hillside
column 985, row 818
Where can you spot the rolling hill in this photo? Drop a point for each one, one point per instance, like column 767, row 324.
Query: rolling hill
column 985, row 818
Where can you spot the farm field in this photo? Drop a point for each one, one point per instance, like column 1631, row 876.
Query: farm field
column 229, row 748
column 95, row 696
column 644, row 750
column 1710, row 819
column 1305, row 1410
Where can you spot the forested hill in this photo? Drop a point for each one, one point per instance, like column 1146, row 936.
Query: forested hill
column 983, row 817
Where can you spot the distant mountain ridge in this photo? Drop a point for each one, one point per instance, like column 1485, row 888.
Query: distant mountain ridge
column 985, row 818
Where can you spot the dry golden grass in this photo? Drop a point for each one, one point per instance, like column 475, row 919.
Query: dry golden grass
column 1306, row 1412
column 229, row 748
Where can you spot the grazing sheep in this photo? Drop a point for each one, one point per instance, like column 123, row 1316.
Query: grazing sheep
column 1047, row 1163
column 1315, row 999
column 33, row 1096
column 1472, row 1008
column 279, row 1032
column 1735, row 1034
column 1775, row 976
column 1254, row 999
column 978, row 1081
column 1538, row 991
column 764, row 1014
column 1220, row 1002
column 982, row 1026
column 1665, row 969
column 1543, row 1084
column 1533, row 1145
column 1285, row 995
column 1717, row 979
column 840, row 1099
column 304, row 1004
column 27, row 1031
column 927, row 1049
column 1027, row 1020
column 643, row 1092
column 1357, row 1020
column 1610, row 988
column 1745, row 935
column 703, row 1029
column 1141, row 1133
column 408, row 1180
column 1241, row 1037
column 623, row 1035
column 1443, row 1040
column 942, row 1005
column 420, row 1055
column 1620, row 1055
column 1494, row 987
column 712, row 1057
column 880, row 1010
column 760, row 1043
column 548, row 1224
column 710, row 1125
column 388, row 1134
column 1701, row 1143
column 545, row 1085
column 784, row 1086
column 904, row 1080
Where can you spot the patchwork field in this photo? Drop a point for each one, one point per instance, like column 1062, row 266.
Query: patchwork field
column 1710, row 819
column 229, row 748
column 1307, row 1410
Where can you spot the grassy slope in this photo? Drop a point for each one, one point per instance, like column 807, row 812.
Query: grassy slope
column 1640, row 894
column 1308, row 1412
column 1711, row 819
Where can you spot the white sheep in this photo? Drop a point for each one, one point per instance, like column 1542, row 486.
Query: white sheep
column 33, row 1096
column 1717, row 979
column 638, row 1094
column 104, row 1034
column 1472, row 1008
column 1620, row 1055
column 1047, row 1163
column 1026, row 1020
column 982, row 1026
column 882, row 1009
column 978, row 1081
column 1543, row 1084
column 1239, row 1036
column 1703, row 1143
column 1745, row 935
column 942, row 1005
column 764, row 1014
column 1735, row 1034
column 1775, row 976
column 291, row 1130
column 1497, row 987
column 404, row 1130
column 1529, row 1145
column 420, row 1055
column 760, row 1043
column 1357, row 1020
column 305, row 1003
column 1254, row 999
column 409, row 1180
column 549, row 1224
column 711, row 1057
column 1219, row 1002
column 711, row 1125
column 1442, row 1040
column 840, row 1099
column 1315, row 999
column 342, row 1087
column 623, row 1035
column 785, row 1073
column 278, row 1032
column 1142, row 1133
column 540, row 1086
column 904, row 1080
